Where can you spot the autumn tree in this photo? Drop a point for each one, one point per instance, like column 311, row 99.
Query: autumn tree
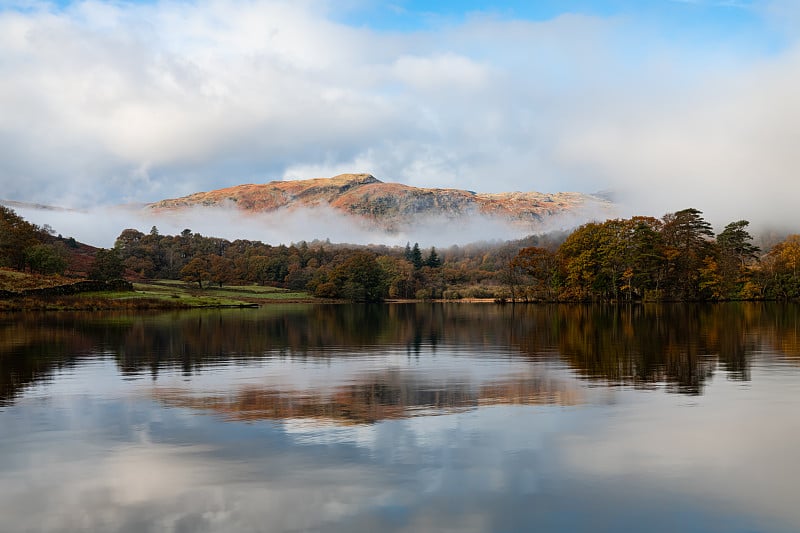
column 107, row 265
column 128, row 241
column 256, row 269
column 399, row 276
column 593, row 258
column 359, row 278
column 197, row 270
column 16, row 236
column 645, row 258
column 579, row 259
column 616, row 259
column 535, row 270
column 781, row 269
column 220, row 270
column 688, row 242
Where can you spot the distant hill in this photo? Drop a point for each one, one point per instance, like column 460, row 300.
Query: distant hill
column 393, row 205
column 13, row 204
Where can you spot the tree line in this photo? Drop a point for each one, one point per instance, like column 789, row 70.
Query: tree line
column 675, row 258
column 321, row 268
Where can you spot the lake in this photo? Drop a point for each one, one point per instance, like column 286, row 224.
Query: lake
column 403, row 417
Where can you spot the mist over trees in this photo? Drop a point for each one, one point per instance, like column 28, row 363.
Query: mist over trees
column 360, row 273
column 675, row 258
column 329, row 271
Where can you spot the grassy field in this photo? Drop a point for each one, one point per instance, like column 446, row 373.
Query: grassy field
column 158, row 294
column 185, row 295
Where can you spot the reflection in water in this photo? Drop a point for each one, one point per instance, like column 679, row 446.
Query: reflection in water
column 373, row 398
column 677, row 345
column 680, row 345
column 306, row 418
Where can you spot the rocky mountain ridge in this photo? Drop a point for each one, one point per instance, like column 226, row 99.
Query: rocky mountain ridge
column 392, row 205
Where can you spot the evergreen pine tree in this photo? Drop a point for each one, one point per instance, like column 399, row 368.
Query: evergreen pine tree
column 433, row 260
column 416, row 256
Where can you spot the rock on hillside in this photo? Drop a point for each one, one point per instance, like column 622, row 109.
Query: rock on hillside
column 394, row 205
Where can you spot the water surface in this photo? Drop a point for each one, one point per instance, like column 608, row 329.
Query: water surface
column 403, row 418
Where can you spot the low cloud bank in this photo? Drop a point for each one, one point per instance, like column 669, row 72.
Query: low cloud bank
column 100, row 227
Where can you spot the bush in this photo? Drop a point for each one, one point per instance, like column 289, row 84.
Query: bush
column 478, row 292
column 45, row 259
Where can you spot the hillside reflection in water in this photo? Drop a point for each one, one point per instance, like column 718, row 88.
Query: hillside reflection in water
column 645, row 346
column 402, row 417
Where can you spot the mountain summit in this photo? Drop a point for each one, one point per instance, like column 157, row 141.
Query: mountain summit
column 394, row 205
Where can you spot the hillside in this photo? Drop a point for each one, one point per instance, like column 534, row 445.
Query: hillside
column 394, row 205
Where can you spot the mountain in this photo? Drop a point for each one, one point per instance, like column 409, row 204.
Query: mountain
column 393, row 205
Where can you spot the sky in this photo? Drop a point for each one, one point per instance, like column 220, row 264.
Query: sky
column 666, row 104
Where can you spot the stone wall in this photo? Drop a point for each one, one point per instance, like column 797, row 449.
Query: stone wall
column 72, row 288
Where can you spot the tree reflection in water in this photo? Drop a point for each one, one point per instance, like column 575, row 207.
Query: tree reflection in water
column 676, row 345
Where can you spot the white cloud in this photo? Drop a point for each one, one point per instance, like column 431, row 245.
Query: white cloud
column 725, row 147
column 103, row 103
column 443, row 72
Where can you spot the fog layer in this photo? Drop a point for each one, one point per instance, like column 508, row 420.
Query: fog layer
column 101, row 227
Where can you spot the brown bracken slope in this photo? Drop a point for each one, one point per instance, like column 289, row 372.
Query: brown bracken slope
column 392, row 205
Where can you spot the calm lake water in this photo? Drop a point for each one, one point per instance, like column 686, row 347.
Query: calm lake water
column 462, row 417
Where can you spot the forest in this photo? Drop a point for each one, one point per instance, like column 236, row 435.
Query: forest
column 26, row 246
column 675, row 258
column 325, row 270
